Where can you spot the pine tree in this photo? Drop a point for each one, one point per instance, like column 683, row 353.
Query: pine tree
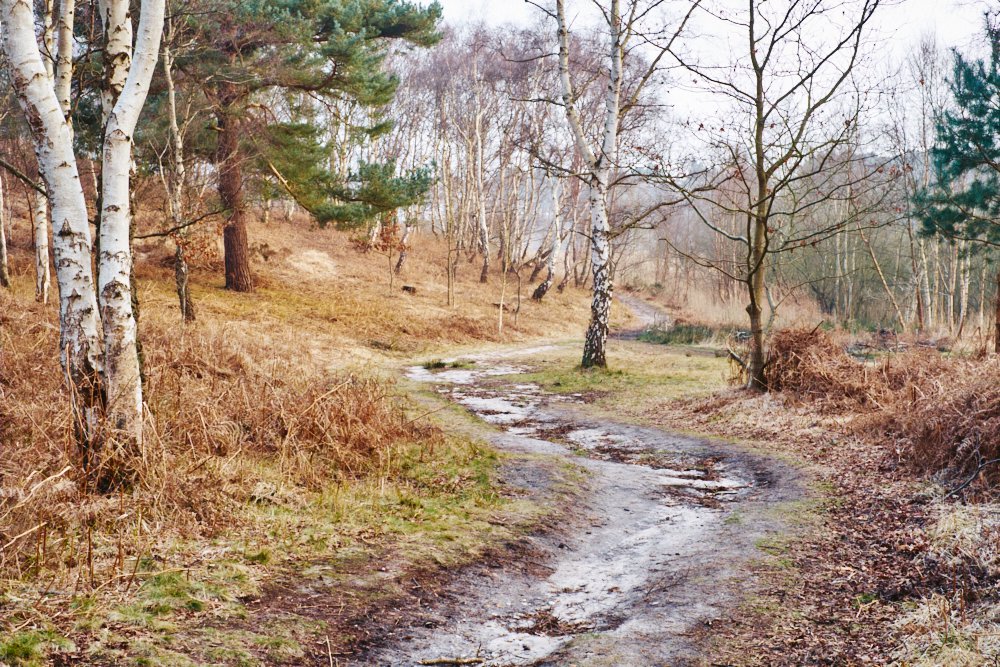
column 964, row 202
column 266, row 68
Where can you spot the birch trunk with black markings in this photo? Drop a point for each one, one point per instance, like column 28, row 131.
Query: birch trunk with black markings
column 122, row 368
column 598, row 165
column 80, row 341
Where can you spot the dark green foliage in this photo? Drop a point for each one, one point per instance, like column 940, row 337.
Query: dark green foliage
column 370, row 191
column 964, row 204
column 282, row 71
column 295, row 154
column 681, row 334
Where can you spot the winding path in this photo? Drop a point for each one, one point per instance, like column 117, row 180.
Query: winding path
column 649, row 549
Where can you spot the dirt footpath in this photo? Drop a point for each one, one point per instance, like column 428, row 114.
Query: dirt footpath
column 644, row 556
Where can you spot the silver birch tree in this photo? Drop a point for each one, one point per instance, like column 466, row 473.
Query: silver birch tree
column 600, row 157
column 122, row 371
column 104, row 385
column 78, row 314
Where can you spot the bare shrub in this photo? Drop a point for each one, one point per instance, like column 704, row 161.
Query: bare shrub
column 941, row 412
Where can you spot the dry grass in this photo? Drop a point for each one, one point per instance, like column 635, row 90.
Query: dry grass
column 941, row 412
column 269, row 439
column 332, row 291
column 957, row 627
column 702, row 305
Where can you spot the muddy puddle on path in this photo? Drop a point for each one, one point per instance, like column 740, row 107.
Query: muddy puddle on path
column 637, row 561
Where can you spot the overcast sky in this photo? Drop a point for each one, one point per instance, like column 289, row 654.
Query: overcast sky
column 956, row 22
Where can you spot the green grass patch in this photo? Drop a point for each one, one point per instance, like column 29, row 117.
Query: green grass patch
column 681, row 334
column 30, row 648
column 440, row 364
column 638, row 376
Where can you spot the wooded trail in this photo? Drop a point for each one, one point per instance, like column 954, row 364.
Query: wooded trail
column 640, row 556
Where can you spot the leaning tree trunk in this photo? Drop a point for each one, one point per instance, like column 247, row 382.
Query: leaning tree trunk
column 40, row 235
column 550, row 263
column 122, row 368
column 404, row 247
column 78, row 315
column 234, row 233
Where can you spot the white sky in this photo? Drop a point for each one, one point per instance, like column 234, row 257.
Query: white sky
column 956, row 22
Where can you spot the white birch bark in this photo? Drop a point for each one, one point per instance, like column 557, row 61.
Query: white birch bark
column 483, row 228
column 78, row 315
column 965, row 277
column 40, row 238
column 550, row 264
column 122, row 373
column 117, row 22
column 178, row 182
column 39, row 202
column 48, row 37
column 599, row 167
column 64, row 56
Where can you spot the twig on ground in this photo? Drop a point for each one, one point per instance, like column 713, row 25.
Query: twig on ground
column 971, row 479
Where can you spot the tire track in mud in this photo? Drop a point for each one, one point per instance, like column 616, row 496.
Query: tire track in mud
column 649, row 550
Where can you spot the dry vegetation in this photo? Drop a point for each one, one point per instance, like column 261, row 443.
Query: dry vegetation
column 270, row 443
column 942, row 412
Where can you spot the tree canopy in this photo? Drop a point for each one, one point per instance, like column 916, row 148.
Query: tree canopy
column 964, row 202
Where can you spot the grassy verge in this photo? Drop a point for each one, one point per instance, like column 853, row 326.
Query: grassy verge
column 638, row 376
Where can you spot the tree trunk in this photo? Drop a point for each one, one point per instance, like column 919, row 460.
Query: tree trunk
column 64, row 57
column 965, row 266
column 926, row 298
column 755, row 283
column 123, row 381
column 40, row 234
column 546, row 284
column 4, row 263
column 117, row 22
column 599, row 165
column 404, row 247
column 177, row 184
column 181, row 274
column 234, row 233
column 484, row 231
column 594, row 347
column 983, row 286
column 996, row 317
column 78, row 314
column 885, row 283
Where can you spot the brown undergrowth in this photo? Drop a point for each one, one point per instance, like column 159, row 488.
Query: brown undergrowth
column 272, row 450
column 942, row 413
column 238, row 434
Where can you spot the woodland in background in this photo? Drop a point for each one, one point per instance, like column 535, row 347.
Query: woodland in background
column 545, row 155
